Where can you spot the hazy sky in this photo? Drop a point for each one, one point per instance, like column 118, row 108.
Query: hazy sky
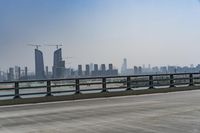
column 157, row 32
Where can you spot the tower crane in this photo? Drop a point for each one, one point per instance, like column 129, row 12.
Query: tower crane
column 57, row 45
column 34, row 45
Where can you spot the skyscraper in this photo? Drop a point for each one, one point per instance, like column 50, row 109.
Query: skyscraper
column 124, row 66
column 58, row 64
column 80, row 70
column 17, row 72
column 103, row 69
column 39, row 65
column 87, row 70
column 111, row 70
column 95, row 72
column 110, row 67
column 11, row 74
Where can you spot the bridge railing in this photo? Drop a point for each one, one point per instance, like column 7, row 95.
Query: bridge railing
column 68, row 86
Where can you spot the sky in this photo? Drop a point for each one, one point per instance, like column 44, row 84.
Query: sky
column 156, row 32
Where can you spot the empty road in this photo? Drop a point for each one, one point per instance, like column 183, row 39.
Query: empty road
column 177, row 112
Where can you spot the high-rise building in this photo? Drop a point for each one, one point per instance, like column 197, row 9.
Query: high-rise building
column 96, row 67
column 3, row 76
column 139, row 70
column 39, row 65
column 110, row 66
column 72, row 72
column 110, row 69
column 80, row 70
column 11, row 74
column 91, row 67
column 103, row 69
column 17, row 73
column 26, row 72
column 163, row 69
column 58, row 65
column 124, row 66
column 135, row 70
column 95, row 72
column 149, row 68
column 87, row 70
column 172, row 69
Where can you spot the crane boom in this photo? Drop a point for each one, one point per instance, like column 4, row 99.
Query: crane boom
column 57, row 45
column 34, row 45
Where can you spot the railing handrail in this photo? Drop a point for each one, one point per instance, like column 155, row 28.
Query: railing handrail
column 126, row 82
column 94, row 77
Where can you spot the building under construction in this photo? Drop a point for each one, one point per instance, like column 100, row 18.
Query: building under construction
column 39, row 65
column 58, row 64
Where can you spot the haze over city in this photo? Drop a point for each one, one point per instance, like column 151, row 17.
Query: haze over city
column 101, row 31
column 103, row 66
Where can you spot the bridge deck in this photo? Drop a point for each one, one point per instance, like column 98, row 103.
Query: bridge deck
column 175, row 112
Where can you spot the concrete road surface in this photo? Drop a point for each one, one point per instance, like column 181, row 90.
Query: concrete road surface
column 177, row 112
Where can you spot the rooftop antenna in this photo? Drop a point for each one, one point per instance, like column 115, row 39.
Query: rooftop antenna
column 34, row 45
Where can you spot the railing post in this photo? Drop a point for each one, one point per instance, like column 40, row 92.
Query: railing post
column 191, row 80
column 104, row 85
column 128, row 83
column 49, row 88
column 16, row 90
column 171, row 81
column 77, row 87
column 151, row 82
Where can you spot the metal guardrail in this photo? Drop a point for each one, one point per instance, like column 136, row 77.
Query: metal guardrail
column 50, row 87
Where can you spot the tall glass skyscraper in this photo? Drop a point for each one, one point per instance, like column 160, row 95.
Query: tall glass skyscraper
column 39, row 65
column 58, row 64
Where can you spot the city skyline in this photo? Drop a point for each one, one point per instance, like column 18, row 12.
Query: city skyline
column 159, row 33
column 91, row 70
column 59, row 64
column 57, row 57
